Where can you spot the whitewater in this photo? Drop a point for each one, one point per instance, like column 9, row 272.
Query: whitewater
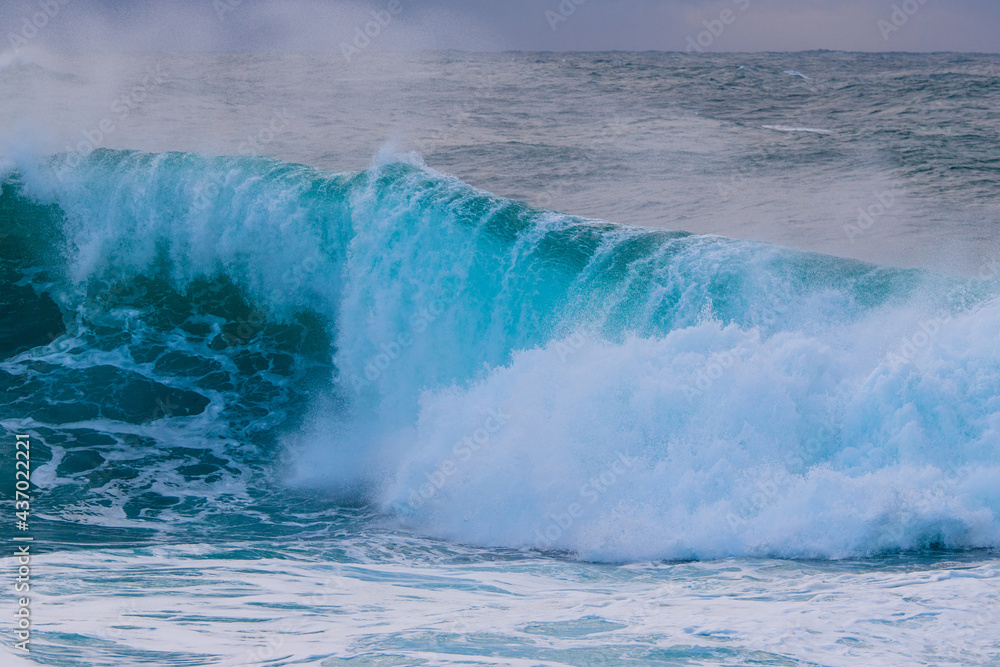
column 334, row 389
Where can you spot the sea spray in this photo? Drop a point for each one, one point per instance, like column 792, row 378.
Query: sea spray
column 752, row 389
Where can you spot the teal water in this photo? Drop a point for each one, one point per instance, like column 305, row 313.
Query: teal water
column 288, row 412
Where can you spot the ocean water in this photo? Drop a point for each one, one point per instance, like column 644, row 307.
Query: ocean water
column 522, row 359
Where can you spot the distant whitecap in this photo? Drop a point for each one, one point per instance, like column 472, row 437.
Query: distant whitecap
column 782, row 128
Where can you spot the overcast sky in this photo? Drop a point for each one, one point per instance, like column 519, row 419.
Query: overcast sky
column 306, row 25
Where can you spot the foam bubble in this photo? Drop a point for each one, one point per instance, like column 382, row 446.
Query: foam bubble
column 506, row 376
column 715, row 441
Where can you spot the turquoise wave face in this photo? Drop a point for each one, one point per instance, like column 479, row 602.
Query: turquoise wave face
column 195, row 338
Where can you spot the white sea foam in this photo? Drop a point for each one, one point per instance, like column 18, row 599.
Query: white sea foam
column 805, row 425
column 794, row 445
column 194, row 605
column 784, row 128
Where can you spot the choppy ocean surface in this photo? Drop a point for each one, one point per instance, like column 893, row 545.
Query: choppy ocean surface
column 523, row 359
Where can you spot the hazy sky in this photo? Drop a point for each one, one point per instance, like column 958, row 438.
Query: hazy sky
column 714, row 25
